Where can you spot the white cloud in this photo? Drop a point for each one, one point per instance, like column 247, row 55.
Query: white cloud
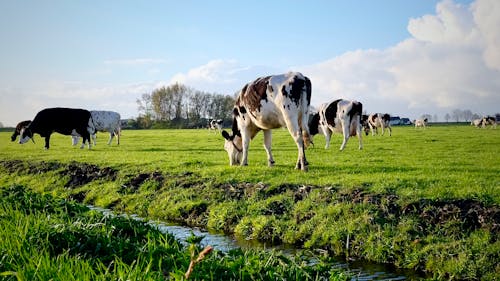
column 221, row 76
column 451, row 61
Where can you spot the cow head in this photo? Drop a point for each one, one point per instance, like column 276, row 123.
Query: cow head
column 25, row 135
column 234, row 147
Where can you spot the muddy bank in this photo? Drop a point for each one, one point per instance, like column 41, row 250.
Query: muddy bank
column 465, row 214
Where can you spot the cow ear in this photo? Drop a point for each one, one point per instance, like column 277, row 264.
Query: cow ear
column 226, row 135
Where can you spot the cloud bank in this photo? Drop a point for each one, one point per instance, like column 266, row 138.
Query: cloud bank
column 451, row 60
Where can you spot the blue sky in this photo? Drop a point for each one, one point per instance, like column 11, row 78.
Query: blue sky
column 402, row 57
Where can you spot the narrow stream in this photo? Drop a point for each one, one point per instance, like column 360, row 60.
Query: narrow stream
column 361, row 270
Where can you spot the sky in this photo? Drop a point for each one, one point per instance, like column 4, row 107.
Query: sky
column 406, row 58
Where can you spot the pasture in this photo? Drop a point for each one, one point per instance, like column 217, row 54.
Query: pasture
column 405, row 199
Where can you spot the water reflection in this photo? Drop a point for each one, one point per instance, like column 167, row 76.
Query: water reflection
column 360, row 270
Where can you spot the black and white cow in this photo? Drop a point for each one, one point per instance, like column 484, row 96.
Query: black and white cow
column 379, row 120
column 489, row 120
column 66, row 121
column 215, row 125
column 338, row 116
column 268, row 103
column 21, row 125
column 104, row 121
column 364, row 124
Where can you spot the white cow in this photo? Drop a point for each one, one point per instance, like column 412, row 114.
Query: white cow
column 341, row 116
column 268, row 103
column 104, row 121
column 379, row 120
column 420, row 123
column 477, row 123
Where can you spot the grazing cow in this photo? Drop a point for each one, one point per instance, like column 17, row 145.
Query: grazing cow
column 338, row 116
column 104, row 121
column 477, row 122
column 66, row 121
column 216, row 125
column 364, row 124
column 376, row 120
column 489, row 120
column 268, row 103
column 21, row 125
column 420, row 123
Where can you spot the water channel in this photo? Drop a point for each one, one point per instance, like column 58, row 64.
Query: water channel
column 360, row 270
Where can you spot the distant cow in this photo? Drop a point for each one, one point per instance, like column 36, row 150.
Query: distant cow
column 21, row 125
column 476, row 122
column 215, row 125
column 104, row 121
column 489, row 120
column 338, row 116
column 379, row 120
column 268, row 103
column 66, row 121
column 364, row 124
column 420, row 123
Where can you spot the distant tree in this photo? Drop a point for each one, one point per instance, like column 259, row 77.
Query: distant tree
column 467, row 115
column 435, row 118
column 427, row 116
column 456, row 114
column 475, row 116
column 447, row 117
column 1, row 125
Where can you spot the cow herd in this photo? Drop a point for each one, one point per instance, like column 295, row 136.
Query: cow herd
column 69, row 121
column 264, row 104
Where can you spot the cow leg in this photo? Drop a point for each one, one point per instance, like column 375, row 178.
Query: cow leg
column 111, row 135
column 47, row 141
column 360, row 138
column 345, row 133
column 117, row 132
column 296, row 133
column 328, row 134
column 267, row 147
column 245, row 139
column 390, row 130
column 383, row 129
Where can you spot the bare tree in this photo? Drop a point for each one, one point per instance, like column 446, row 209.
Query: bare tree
column 447, row 117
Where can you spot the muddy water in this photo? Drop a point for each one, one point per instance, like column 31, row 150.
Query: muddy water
column 361, row 270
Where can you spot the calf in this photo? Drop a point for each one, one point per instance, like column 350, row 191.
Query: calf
column 338, row 116
column 21, row 125
column 377, row 120
column 66, row 121
column 104, row 121
column 268, row 103
column 420, row 123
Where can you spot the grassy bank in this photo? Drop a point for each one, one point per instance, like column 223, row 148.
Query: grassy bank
column 422, row 199
column 44, row 238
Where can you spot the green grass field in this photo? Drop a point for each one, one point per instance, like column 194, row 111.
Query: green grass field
column 421, row 199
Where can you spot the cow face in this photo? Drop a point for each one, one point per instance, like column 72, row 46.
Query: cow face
column 232, row 145
column 25, row 135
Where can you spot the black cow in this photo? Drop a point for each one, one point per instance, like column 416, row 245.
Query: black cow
column 21, row 125
column 66, row 121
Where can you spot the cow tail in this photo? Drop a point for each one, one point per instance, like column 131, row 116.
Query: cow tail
column 93, row 125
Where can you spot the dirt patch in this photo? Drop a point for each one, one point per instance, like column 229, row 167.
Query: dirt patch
column 132, row 185
column 82, row 173
column 23, row 167
column 470, row 214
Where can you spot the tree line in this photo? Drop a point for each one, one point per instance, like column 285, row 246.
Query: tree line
column 179, row 106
